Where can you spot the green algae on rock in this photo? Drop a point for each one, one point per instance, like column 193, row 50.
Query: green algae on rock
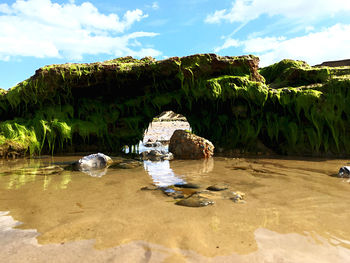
column 107, row 105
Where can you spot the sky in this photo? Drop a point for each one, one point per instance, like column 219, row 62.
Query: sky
column 35, row 33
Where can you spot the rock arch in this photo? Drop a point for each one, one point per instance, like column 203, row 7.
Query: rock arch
column 106, row 105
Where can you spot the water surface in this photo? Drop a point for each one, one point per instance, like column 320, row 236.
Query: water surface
column 294, row 212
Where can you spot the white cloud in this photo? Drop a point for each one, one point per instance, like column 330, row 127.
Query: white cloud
column 244, row 11
column 41, row 28
column 230, row 42
column 329, row 44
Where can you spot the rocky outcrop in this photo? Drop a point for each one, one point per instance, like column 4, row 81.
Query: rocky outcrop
column 291, row 108
column 335, row 63
column 186, row 145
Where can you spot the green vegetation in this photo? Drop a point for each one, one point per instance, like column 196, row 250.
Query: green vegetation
column 104, row 106
column 293, row 73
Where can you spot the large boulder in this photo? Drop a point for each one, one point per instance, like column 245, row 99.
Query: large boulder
column 186, row 145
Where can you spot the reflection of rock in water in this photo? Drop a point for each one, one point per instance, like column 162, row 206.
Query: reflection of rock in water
column 95, row 172
column 193, row 168
column 161, row 173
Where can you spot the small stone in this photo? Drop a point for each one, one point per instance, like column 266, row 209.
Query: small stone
column 238, row 197
column 218, row 187
column 195, row 201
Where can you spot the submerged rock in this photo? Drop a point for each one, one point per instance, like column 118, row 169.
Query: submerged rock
column 218, row 187
column 186, row 145
column 41, row 171
column 173, row 193
column 344, row 171
column 187, row 185
column 195, row 201
column 156, row 155
column 126, row 164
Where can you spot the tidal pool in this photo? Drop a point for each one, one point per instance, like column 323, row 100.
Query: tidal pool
column 295, row 211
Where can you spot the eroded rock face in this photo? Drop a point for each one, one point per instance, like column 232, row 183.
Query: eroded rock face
column 186, row 145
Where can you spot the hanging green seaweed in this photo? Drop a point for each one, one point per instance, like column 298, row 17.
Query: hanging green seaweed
column 299, row 110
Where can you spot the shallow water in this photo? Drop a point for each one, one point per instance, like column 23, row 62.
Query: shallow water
column 295, row 211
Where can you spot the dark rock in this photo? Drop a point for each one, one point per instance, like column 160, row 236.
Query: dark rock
column 218, row 187
column 186, row 145
column 195, row 201
column 189, row 185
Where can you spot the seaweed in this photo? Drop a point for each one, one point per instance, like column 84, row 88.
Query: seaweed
column 298, row 110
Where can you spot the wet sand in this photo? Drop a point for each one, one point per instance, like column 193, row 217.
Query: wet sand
column 294, row 212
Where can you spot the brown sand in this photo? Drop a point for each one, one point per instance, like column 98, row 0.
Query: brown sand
column 295, row 212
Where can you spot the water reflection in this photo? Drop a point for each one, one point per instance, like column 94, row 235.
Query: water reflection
column 95, row 172
column 295, row 212
column 140, row 147
column 193, row 168
column 162, row 174
column 16, row 174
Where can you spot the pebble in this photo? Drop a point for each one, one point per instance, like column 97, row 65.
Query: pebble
column 238, row 197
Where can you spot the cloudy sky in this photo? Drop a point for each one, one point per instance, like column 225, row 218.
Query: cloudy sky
column 34, row 33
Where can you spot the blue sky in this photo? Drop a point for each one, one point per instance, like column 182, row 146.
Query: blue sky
column 34, row 33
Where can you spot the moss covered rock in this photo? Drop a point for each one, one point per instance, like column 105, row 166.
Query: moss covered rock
column 290, row 107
